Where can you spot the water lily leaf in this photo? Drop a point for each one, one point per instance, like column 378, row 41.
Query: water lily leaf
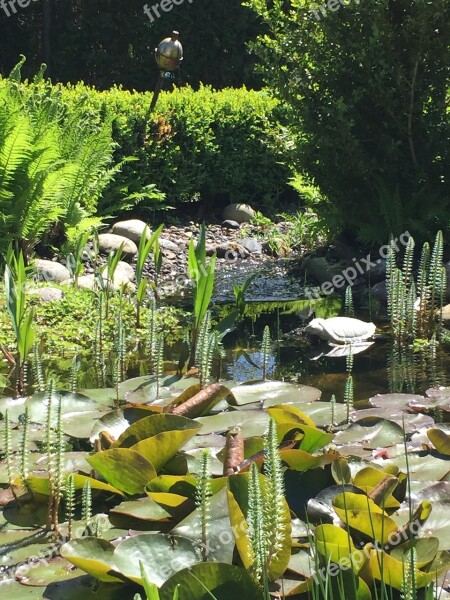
column 41, row 485
column 14, row 406
column 184, row 485
column 440, row 440
column 219, row 545
column 124, row 469
column 298, row 460
column 421, row 468
column 426, row 550
column 252, row 423
column 411, row 422
column 154, row 425
column 161, row 556
column 47, row 571
column 212, row 580
column 106, row 396
column 371, row 432
column 361, row 513
column 340, row 470
column 143, row 508
column 176, row 505
column 279, row 392
column 71, row 403
column 369, row 479
column 394, row 401
column 144, row 389
column 289, row 413
column 92, row 555
column 335, row 545
column 238, row 507
column 320, row 412
column 202, row 402
column 160, row 448
column 79, row 425
column 387, row 568
column 117, row 421
column 185, row 395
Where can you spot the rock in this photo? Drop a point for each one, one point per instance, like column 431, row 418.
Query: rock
column 125, row 271
column 377, row 273
column 48, row 270
column 379, row 290
column 324, row 271
column 231, row 251
column 110, row 242
column 89, row 282
column 445, row 313
column 241, row 213
column 276, row 247
column 168, row 245
column 132, row 229
column 229, row 224
column 252, row 245
column 48, row 294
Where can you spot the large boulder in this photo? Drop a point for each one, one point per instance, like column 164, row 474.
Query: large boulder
column 241, row 213
column 110, row 242
column 132, row 229
column 48, row 270
column 89, row 282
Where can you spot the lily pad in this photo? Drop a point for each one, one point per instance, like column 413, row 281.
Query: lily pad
column 161, row 556
column 371, row 432
column 212, row 580
column 125, row 469
column 92, row 555
column 274, row 392
column 252, row 423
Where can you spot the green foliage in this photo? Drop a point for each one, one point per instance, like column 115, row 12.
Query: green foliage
column 215, row 145
column 366, row 87
column 53, row 166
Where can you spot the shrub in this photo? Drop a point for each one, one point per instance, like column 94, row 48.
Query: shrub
column 367, row 87
column 223, row 145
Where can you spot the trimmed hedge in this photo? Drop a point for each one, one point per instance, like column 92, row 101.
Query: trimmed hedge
column 215, row 146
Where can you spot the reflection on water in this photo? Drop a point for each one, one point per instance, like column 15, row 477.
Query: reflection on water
column 380, row 368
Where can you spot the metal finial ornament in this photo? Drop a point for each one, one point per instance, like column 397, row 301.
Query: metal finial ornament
column 168, row 56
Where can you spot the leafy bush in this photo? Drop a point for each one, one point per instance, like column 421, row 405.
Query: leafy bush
column 215, row 145
column 367, row 87
column 52, row 169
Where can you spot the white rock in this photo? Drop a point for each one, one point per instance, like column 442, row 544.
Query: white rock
column 133, row 229
column 241, row 213
column 110, row 242
column 51, row 271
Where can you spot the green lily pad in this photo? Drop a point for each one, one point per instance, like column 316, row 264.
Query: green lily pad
column 44, row 572
column 252, row 423
column 362, row 514
column 71, row 403
column 161, row 556
column 219, row 546
column 371, row 432
column 155, row 425
column 124, row 469
column 335, row 545
column 212, row 580
column 79, row 425
column 274, row 392
column 92, row 555
column 184, row 485
column 144, row 508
